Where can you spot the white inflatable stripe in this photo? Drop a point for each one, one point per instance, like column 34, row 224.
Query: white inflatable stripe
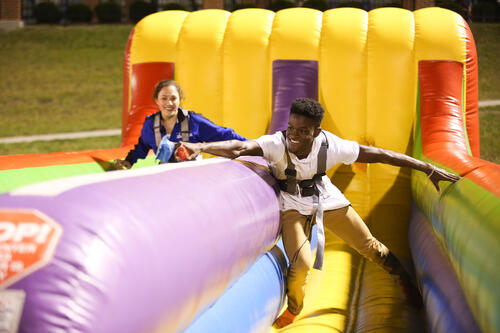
column 58, row 186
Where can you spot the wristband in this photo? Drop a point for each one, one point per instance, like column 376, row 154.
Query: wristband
column 433, row 169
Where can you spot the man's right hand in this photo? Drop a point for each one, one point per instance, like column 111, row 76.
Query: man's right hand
column 122, row 164
column 193, row 149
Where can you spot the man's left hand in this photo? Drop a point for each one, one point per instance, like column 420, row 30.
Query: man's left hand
column 437, row 174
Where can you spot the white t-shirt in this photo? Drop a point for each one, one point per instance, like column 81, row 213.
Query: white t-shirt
column 339, row 151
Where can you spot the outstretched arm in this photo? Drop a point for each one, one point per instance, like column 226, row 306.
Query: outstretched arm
column 369, row 154
column 230, row 148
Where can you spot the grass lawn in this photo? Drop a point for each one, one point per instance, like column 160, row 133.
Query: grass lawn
column 61, row 79
column 37, row 147
column 58, row 79
column 489, row 133
column 487, row 37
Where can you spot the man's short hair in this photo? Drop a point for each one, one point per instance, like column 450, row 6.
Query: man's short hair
column 308, row 108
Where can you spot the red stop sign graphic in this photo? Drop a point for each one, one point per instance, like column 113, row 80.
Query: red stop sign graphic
column 28, row 239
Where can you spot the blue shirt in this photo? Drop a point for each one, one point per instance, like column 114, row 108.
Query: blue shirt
column 200, row 130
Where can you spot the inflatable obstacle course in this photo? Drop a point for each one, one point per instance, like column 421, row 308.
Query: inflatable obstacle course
column 379, row 76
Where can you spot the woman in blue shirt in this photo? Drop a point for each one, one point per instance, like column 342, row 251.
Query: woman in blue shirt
column 175, row 123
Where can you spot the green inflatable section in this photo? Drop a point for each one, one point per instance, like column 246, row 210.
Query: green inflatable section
column 14, row 178
column 465, row 219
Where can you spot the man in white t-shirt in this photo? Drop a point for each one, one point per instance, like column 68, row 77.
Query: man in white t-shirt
column 298, row 158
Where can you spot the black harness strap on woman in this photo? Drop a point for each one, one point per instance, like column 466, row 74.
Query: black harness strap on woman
column 184, row 127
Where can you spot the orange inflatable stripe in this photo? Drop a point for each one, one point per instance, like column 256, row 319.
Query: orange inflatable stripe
column 443, row 136
column 61, row 158
column 485, row 174
column 488, row 176
column 471, row 102
column 142, row 103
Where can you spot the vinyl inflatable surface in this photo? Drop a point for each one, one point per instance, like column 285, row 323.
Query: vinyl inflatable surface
column 191, row 246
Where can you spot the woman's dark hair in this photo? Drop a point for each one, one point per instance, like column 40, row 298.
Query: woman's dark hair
column 308, row 108
column 166, row 83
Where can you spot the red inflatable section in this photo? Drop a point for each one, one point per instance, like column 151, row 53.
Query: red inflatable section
column 443, row 138
column 441, row 100
column 8, row 162
column 145, row 76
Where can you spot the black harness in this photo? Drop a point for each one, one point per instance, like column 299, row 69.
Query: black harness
column 184, row 127
column 307, row 187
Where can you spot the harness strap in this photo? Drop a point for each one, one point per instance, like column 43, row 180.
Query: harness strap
column 309, row 187
column 290, row 173
column 320, row 252
column 185, row 126
column 318, row 262
column 321, row 159
column 156, row 127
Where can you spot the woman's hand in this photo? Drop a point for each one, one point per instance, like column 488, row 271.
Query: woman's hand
column 122, row 164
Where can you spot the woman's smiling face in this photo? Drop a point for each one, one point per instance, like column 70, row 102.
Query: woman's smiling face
column 168, row 101
column 300, row 135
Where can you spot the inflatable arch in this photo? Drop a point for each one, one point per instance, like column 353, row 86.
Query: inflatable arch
column 180, row 248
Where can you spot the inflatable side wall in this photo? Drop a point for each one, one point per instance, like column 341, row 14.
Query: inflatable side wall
column 464, row 217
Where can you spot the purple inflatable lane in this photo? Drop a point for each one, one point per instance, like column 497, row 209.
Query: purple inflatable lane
column 145, row 248
column 291, row 79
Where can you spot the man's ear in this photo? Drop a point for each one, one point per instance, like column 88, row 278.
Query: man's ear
column 317, row 130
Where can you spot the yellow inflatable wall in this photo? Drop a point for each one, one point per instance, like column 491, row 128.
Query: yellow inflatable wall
column 367, row 80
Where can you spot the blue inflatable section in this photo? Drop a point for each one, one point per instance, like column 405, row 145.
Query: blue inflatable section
column 259, row 295
column 446, row 306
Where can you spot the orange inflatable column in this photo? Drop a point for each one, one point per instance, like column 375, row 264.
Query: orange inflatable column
column 471, row 96
column 441, row 102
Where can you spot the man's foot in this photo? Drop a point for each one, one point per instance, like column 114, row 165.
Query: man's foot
column 411, row 293
column 285, row 319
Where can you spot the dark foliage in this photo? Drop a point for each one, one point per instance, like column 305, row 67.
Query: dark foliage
column 244, row 5
column 280, row 4
column 108, row 12
column 316, row 4
column 79, row 12
column 173, row 6
column 47, row 12
column 140, row 9
column 354, row 4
